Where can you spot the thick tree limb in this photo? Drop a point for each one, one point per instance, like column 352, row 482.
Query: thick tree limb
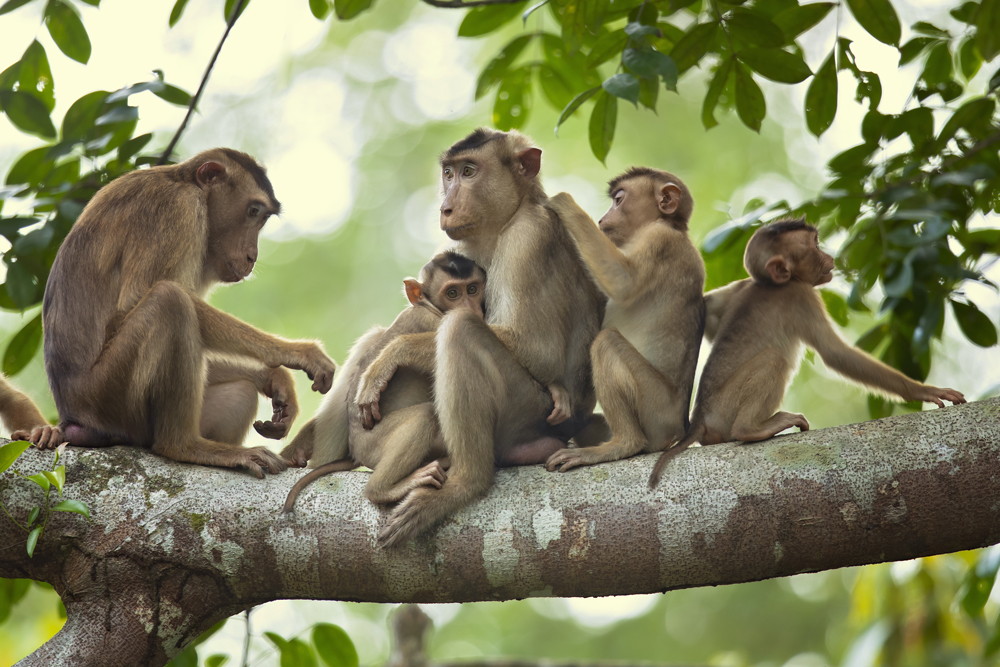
column 173, row 548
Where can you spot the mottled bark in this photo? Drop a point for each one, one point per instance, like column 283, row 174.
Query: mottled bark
column 173, row 548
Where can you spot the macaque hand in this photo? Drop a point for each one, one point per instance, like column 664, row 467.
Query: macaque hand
column 936, row 395
column 42, row 437
column 260, row 459
column 564, row 206
column 562, row 408
column 281, row 390
column 369, row 392
column 320, row 368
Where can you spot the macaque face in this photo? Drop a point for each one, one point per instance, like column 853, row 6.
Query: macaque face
column 633, row 205
column 236, row 214
column 480, row 194
column 453, row 293
column 808, row 262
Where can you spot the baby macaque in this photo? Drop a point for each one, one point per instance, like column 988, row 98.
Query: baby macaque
column 644, row 359
column 393, row 429
column 756, row 326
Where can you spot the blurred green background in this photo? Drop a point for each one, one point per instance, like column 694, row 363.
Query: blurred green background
column 350, row 118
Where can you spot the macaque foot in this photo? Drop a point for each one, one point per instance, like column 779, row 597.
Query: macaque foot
column 42, row 437
column 259, row 459
column 406, row 520
column 562, row 408
column 566, row 459
column 433, row 475
column 297, row 455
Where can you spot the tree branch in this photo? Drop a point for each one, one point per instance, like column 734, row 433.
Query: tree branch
column 174, row 548
column 456, row 4
column 230, row 22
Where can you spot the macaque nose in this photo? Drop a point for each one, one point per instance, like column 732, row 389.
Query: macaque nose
column 446, row 211
column 251, row 259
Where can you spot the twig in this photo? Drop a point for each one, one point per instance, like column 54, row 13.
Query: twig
column 457, row 4
column 230, row 22
column 246, row 640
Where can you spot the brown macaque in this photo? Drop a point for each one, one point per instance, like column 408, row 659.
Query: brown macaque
column 134, row 354
column 394, row 431
column 756, row 327
column 644, row 359
column 23, row 419
column 542, row 314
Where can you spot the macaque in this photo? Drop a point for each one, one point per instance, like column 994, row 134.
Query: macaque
column 542, row 314
column 644, row 359
column 756, row 326
column 23, row 419
column 133, row 353
column 399, row 439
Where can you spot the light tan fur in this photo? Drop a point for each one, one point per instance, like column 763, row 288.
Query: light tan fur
column 542, row 314
column 134, row 354
column 645, row 357
column 388, row 414
column 23, row 419
column 757, row 326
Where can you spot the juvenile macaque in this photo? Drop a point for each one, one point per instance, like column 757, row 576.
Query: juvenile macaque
column 23, row 420
column 133, row 353
column 542, row 314
column 756, row 326
column 644, row 359
column 390, row 425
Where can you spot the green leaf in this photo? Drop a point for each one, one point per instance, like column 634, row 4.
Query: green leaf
column 649, row 92
column 750, row 103
column 776, row 65
column 20, row 287
column 53, row 480
column 296, row 653
column 602, row 125
column 80, row 117
column 966, row 115
column 30, row 168
column 133, row 146
column 276, row 639
column 623, row 85
column 23, row 346
column 67, row 30
column 694, row 45
column 177, row 12
column 484, row 20
column 901, row 281
column 836, row 305
column 33, row 540
column 641, row 62
column 334, row 646
column 753, row 28
column 606, row 47
column 798, row 18
column 969, row 59
column 966, row 12
column 176, row 96
column 73, row 506
column 41, row 480
column 33, row 515
column 988, row 29
column 908, row 52
column 715, row 89
column 555, row 88
column 319, row 9
column 27, row 113
column 11, row 5
column 974, row 323
column 227, row 9
column 494, row 72
column 871, row 338
column 10, row 452
column 35, row 76
column 348, row 9
column 575, row 104
column 513, row 102
column 879, row 18
column 220, row 659
column 118, row 114
column 186, row 658
column 821, row 97
column 531, row 10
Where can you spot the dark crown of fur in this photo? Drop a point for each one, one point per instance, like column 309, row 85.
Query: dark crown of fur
column 256, row 171
column 477, row 139
column 629, row 174
column 773, row 230
column 453, row 264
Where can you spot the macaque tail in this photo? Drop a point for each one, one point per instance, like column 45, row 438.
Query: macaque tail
column 694, row 434
column 336, row 466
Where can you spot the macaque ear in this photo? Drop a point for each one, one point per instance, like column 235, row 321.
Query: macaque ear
column 778, row 270
column 531, row 161
column 413, row 289
column 208, row 172
column 670, row 199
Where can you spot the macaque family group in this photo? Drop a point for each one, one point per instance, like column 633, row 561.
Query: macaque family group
column 511, row 336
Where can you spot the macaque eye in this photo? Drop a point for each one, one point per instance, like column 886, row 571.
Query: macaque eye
column 472, row 289
column 452, row 293
column 468, row 170
column 619, row 196
column 448, row 173
column 253, row 211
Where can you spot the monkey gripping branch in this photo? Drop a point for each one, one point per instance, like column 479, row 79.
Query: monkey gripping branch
column 174, row 548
